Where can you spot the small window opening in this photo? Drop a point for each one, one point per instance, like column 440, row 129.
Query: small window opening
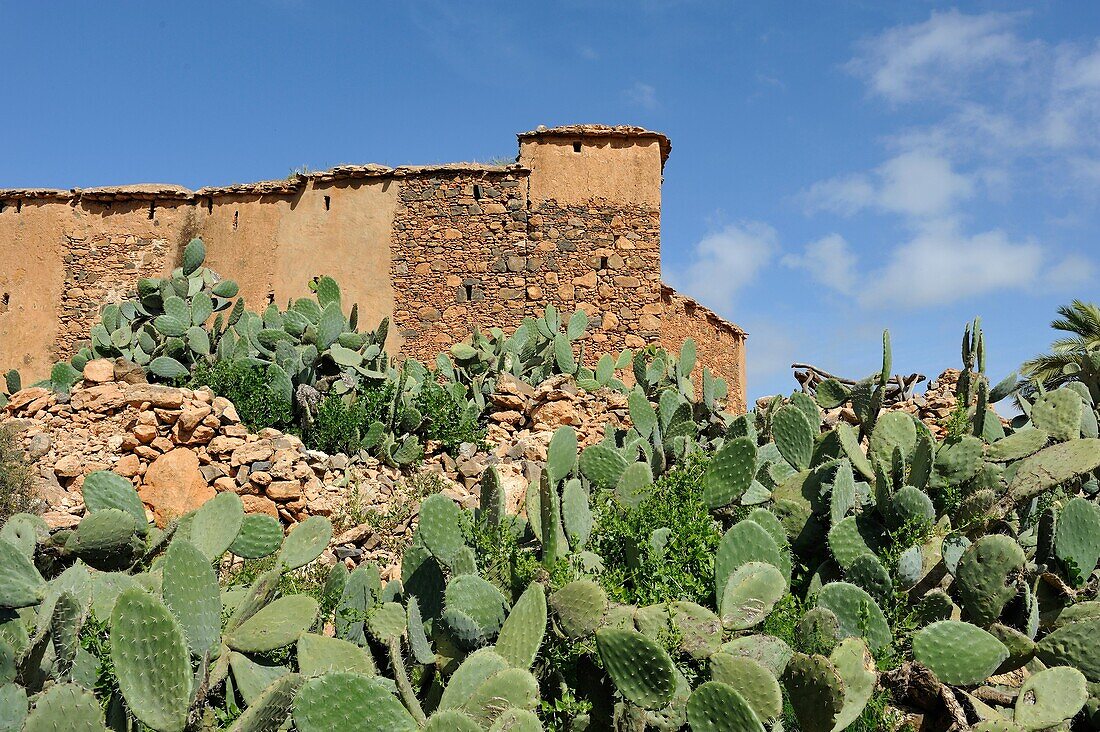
column 236, row 219
column 576, row 147
column 477, row 192
column 603, row 262
column 19, row 206
column 209, row 204
column 152, row 210
column 5, row 300
column 469, row 293
column 328, row 202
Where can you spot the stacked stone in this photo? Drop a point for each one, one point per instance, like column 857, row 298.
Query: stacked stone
column 180, row 447
column 459, row 256
column 602, row 258
column 101, row 270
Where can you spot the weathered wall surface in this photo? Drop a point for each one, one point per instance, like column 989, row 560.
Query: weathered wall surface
column 64, row 258
column 720, row 345
column 459, row 256
column 440, row 249
column 273, row 243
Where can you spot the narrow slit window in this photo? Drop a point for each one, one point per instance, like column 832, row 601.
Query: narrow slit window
column 152, row 210
column 477, row 192
column 603, row 262
column 328, row 202
column 209, row 204
column 19, row 206
column 469, row 293
column 576, row 147
column 236, row 219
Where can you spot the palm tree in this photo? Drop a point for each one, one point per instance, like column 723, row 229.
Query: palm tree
column 1075, row 357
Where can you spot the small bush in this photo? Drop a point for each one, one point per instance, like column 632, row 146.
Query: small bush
column 17, row 489
column 685, row 569
column 446, row 418
column 248, row 388
column 340, row 426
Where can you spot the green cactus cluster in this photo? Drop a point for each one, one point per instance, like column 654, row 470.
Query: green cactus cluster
column 838, row 550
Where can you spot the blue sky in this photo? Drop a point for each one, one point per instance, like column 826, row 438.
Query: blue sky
column 838, row 166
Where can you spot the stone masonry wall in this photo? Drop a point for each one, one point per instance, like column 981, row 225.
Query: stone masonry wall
column 439, row 249
column 720, row 345
column 459, row 257
column 99, row 270
column 603, row 258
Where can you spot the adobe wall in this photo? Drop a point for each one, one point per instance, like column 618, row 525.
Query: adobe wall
column 576, row 223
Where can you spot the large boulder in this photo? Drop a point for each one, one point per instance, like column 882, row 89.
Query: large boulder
column 174, row 485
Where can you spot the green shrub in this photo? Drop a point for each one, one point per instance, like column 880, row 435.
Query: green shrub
column 447, row 420
column 17, row 490
column 247, row 386
column 340, row 426
column 685, row 569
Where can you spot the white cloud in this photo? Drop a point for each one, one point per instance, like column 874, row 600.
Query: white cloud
column 915, row 183
column 642, row 95
column 829, row 260
column 934, row 57
column 942, row 265
column 726, row 261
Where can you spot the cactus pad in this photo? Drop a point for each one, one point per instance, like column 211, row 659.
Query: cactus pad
column 451, row 720
column 479, row 599
column 717, row 707
column 1017, row 446
column 729, row 473
column 260, row 536
column 1058, row 413
column 983, row 575
column 274, row 626
column 441, row 527
column 1077, row 539
column 745, row 541
column 65, row 707
column 816, row 691
column 318, row 654
column 642, row 671
column 151, row 661
column 856, row 668
column 857, row 613
column 474, row 670
column 772, row 653
column 269, row 711
column 20, row 583
column 350, row 702
column 216, row 524
column 853, row 537
column 603, row 465
column 1073, row 645
column 755, row 683
column 1053, row 466
column 523, row 630
column 579, row 607
column 750, row 594
column 190, row 590
column 105, row 489
column 958, row 653
column 794, row 436
column 1050, row 698
column 509, row 688
column 305, row 542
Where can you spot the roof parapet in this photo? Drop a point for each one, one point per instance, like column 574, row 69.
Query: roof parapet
column 613, row 131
